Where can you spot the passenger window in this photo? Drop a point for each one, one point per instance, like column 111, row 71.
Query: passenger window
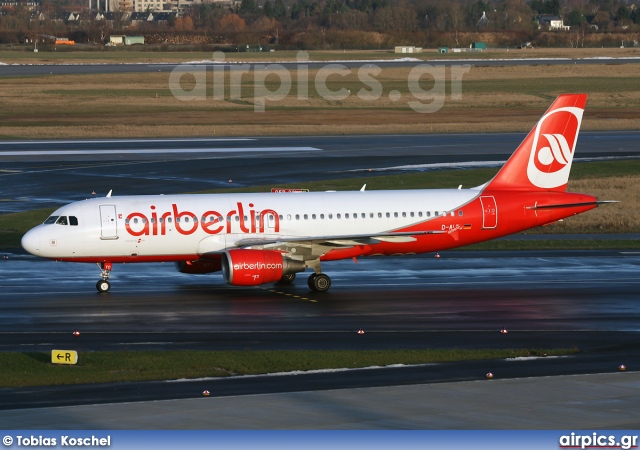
column 404, row 214
column 363, row 215
column 419, row 213
column 411, row 214
column 170, row 220
column 379, row 215
column 306, row 217
column 62, row 220
column 73, row 221
column 428, row 214
column 436, row 214
column 50, row 220
column 388, row 215
column 346, row 216
column 313, row 216
column 338, row 216
column 322, row 216
column 395, row 214
column 297, row 216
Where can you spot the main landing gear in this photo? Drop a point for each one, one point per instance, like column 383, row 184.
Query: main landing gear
column 103, row 285
column 319, row 282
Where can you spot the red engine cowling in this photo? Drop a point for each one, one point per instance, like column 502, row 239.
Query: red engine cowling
column 200, row 266
column 245, row 267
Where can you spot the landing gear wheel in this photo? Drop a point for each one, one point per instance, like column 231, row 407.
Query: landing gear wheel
column 319, row 282
column 103, row 286
column 310, row 280
column 287, row 279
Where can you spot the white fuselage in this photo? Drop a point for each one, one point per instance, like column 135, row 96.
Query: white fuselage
column 186, row 226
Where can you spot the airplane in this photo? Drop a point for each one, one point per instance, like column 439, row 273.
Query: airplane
column 262, row 238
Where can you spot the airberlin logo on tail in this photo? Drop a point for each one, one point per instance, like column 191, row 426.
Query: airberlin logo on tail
column 185, row 222
column 554, row 142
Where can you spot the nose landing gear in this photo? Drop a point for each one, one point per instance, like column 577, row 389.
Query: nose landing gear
column 103, row 285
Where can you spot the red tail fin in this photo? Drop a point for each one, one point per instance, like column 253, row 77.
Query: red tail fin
column 543, row 159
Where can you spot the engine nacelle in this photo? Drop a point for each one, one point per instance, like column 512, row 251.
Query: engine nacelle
column 200, row 266
column 245, row 267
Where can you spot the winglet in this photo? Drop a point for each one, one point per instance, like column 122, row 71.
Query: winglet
column 109, row 194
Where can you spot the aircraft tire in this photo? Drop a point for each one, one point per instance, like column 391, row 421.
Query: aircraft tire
column 287, row 279
column 310, row 280
column 320, row 282
column 103, row 286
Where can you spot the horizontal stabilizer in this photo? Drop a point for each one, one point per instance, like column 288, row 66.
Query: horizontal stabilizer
column 571, row 205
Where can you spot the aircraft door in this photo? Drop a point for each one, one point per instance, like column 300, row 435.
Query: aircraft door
column 109, row 224
column 489, row 212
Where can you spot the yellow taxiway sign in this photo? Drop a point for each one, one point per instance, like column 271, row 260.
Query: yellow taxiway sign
column 64, row 356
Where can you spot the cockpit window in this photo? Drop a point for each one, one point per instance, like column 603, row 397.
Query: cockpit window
column 51, row 219
column 73, row 221
column 62, row 220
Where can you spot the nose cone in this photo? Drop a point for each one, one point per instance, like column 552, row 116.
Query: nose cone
column 31, row 241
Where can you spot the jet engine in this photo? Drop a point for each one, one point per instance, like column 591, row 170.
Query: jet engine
column 246, row 267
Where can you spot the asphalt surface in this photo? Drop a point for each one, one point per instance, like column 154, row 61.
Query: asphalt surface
column 586, row 300
column 38, row 174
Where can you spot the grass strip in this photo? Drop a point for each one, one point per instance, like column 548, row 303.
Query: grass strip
column 36, row 369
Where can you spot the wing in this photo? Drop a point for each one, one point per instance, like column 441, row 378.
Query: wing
column 311, row 248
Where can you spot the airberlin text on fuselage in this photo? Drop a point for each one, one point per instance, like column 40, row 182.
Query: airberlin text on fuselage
column 185, row 222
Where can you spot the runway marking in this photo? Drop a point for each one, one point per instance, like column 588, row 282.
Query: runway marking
column 273, row 291
column 157, row 151
column 96, row 141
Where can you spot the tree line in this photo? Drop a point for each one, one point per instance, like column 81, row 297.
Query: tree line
column 344, row 23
